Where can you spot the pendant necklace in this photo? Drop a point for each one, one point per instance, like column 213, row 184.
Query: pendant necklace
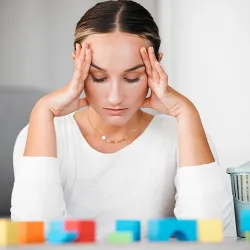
column 104, row 138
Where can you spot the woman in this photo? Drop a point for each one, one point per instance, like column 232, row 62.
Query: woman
column 111, row 160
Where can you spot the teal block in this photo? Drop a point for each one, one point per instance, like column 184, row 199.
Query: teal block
column 60, row 237
column 245, row 220
column 57, row 234
column 56, row 225
column 133, row 226
column 164, row 229
column 157, row 230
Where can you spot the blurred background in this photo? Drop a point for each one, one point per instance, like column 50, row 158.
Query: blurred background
column 206, row 46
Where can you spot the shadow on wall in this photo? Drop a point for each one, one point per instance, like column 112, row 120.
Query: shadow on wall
column 15, row 107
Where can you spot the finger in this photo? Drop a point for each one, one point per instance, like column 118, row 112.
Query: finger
column 79, row 64
column 153, row 60
column 83, row 102
column 78, row 49
column 163, row 75
column 146, row 61
column 86, row 65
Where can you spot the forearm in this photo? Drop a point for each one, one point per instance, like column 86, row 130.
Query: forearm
column 192, row 141
column 41, row 138
column 37, row 193
column 203, row 193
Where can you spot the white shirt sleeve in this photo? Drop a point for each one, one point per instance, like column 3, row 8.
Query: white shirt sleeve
column 203, row 192
column 37, row 192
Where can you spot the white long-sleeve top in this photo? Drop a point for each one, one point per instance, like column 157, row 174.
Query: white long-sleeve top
column 141, row 181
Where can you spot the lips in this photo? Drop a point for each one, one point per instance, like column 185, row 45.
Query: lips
column 115, row 111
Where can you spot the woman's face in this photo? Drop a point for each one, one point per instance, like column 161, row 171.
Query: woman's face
column 116, row 85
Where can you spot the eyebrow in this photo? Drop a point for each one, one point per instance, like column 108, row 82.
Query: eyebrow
column 127, row 70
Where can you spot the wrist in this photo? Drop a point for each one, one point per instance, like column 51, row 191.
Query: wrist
column 41, row 110
column 187, row 111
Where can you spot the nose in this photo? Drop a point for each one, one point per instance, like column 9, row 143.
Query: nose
column 115, row 95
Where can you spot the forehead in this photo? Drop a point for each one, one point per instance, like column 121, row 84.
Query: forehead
column 116, row 50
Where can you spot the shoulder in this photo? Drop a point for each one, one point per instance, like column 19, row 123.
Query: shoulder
column 62, row 125
column 164, row 124
column 163, row 120
column 162, row 131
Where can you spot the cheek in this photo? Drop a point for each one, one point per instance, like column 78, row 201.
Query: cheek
column 90, row 90
column 141, row 89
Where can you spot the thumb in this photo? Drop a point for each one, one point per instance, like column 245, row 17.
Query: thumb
column 145, row 104
column 83, row 102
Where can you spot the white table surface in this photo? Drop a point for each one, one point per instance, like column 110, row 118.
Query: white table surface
column 227, row 244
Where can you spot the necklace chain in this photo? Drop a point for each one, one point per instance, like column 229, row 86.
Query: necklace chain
column 104, row 138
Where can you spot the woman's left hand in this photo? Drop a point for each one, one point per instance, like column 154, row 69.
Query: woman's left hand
column 163, row 98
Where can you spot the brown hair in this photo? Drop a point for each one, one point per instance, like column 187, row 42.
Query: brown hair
column 121, row 15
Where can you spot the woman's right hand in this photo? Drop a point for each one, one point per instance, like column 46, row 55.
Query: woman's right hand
column 67, row 100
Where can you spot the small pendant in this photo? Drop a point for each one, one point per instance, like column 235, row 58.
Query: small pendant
column 104, row 137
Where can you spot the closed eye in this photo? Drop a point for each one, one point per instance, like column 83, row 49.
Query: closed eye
column 128, row 80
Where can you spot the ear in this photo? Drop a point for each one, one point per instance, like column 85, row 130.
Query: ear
column 73, row 55
column 160, row 56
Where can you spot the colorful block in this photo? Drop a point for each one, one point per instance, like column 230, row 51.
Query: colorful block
column 210, row 230
column 120, row 238
column 56, row 225
column 133, row 226
column 245, row 220
column 247, row 235
column 86, row 229
column 164, row 229
column 30, row 232
column 57, row 234
column 8, row 232
column 60, row 237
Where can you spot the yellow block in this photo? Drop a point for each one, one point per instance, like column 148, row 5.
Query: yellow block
column 210, row 230
column 8, row 232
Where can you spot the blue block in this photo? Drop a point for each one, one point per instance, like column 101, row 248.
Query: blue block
column 157, row 230
column 57, row 234
column 133, row 226
column 56, row 225
column 245, row 220
column 164, row 229
column 60, row 237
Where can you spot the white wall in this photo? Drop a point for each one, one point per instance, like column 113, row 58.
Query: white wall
column 209, row 62
column 37, row 40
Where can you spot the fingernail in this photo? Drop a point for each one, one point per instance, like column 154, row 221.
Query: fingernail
column 144, row 50
column 152, row 49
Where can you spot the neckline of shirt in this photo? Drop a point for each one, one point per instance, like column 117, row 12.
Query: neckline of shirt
column 120, row 151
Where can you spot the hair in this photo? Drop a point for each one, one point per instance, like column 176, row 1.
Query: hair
column 121, row 15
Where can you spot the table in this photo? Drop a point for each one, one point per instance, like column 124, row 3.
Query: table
column 227, row 244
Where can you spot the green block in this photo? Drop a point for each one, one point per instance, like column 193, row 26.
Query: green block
column 247, row 234
column 120, row 238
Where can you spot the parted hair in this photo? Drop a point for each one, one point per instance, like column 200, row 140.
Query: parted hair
column 122, row 15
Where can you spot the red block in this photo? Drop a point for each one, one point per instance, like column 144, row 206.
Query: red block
column 85, row 228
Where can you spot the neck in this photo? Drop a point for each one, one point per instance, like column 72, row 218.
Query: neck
column 111, row 131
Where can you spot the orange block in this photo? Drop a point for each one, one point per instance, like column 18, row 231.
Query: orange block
column 30, row 232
